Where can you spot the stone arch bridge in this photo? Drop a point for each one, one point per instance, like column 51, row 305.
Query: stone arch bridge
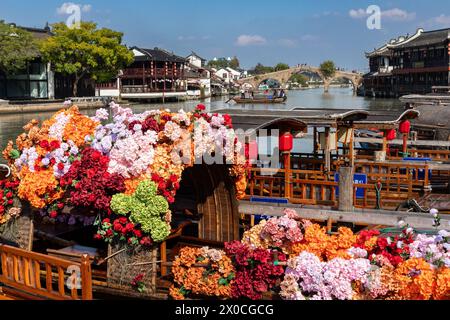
column 283, row 77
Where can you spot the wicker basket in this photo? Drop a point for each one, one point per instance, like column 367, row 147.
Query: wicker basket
column 19, row 231
column 125, row 263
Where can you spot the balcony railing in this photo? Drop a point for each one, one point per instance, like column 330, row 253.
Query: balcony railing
column 147, row 89
column 156, row 72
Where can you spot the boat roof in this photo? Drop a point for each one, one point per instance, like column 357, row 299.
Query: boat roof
column 303, row 117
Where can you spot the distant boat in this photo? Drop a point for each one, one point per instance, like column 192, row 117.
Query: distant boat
column 439, row 95
column 264, row 100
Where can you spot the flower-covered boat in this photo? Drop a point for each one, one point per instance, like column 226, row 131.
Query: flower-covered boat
column 122, row 176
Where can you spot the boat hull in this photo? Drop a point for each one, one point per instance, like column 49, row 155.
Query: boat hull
column 264, row 101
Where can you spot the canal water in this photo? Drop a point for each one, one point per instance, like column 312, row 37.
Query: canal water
column 338, row 98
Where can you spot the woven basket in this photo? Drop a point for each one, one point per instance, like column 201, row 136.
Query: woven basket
column 126, row 263
column 19, row 231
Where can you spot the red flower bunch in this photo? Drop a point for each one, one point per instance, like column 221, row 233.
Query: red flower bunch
column 257, row 271
column 138, row 283
column 50, row 146
column 8, row 190
column 124, row 229
column 228, row 121
column 167, row 188
column 89, row 182
column 199, row 112
column 395, row 249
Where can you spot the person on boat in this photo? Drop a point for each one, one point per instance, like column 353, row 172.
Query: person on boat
column 282, row 94
column 275, row 94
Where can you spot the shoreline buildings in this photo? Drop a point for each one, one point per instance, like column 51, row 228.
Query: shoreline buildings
column 409, row 64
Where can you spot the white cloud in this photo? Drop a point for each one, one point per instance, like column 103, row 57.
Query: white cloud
column 308, row 37
column 440, row 21
column 397, row 14
column 250, row 40
column 394, row 14
column 289, row 43
column 64, row 8
column 357, row 13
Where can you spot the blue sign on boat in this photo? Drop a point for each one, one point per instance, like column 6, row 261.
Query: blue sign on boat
column 358, row 178
column 258, row 218
column 421, row 172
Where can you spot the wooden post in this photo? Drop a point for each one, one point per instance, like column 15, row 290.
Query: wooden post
column 86, row 277
column 346, row 189
column 287, row 175
column 385, row 143
column 327, row 150
column 352, row 148
column 315, row 141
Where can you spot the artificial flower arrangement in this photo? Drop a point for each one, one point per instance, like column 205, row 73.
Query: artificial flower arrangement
column 344, row 266
column 202, row 272
column 121, row 175
column 8, row 192
column 258, row 270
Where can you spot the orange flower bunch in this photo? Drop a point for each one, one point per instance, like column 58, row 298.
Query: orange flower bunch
column 315, row 241
column 78, row 127
column 39, row 188
column 326, row 247
column 415, row 279
column 442, row 288
column 340, row 243
column 202, row 272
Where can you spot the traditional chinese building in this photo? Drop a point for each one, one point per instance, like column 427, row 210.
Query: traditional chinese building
column 409, row 64
column 155, row 73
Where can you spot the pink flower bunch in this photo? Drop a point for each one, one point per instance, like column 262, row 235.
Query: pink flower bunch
column 434, row 249
column 281, row 232
column 323, row 280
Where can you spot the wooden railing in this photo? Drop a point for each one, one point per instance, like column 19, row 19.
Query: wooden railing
column 317, row 187
column 43, row 277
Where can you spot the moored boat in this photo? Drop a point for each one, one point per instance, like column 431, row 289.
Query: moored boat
column 265, row 100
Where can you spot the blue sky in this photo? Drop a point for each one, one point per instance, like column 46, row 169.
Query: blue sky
column 269, row 32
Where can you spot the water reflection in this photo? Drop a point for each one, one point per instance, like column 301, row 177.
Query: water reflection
column 338, row 98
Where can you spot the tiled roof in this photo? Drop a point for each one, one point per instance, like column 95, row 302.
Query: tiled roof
column 158, row 54
column 428, row 38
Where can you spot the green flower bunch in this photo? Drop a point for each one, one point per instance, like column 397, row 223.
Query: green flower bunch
column 146, row 208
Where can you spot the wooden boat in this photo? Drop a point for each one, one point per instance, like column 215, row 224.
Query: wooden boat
column 264, row 100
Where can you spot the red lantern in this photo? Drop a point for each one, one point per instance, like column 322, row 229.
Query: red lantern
column 251, row 151
column 391, row 134
column 405, row 127
column 286, row 142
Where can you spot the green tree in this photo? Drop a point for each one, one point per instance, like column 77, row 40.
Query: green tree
column 300, row 79
column 281, row 66
column 220, row 63
column 261, row 69
column 17, row 47
column 234, row 63
column 328, row 69
column 86, row 51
